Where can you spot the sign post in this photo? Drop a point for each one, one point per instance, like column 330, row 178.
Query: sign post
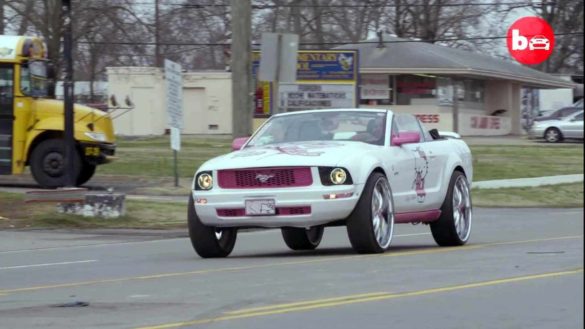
column 174, row 82
column 279, row 61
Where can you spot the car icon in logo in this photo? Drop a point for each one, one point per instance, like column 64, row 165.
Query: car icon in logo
column 539, row 42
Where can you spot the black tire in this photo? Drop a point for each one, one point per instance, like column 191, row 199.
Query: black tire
column 47, row 163
column 360, row 227
column 444, row 230
column 302, row 239
column 553, row 135
column 204, row 239
column 86, row 173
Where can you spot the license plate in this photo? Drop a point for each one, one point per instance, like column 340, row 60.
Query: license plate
column 263, row 207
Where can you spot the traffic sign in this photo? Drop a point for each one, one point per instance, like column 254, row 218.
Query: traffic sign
column 174, row 82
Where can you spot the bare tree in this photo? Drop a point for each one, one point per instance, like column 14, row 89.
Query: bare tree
column 565, row 16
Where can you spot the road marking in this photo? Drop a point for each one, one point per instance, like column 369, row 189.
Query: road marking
column 48, row 264
column 354, row 299
column 309, row 302
column 84, row 246
column 433, row 250
column 411, row 234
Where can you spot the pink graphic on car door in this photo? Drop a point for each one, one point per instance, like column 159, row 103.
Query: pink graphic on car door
column 421, row 169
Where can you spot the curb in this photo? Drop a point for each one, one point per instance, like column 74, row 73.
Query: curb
column 528, row 182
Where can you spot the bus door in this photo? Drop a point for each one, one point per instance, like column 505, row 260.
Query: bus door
column 6, row 117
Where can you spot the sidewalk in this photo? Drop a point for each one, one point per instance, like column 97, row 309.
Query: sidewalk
column 528, row 182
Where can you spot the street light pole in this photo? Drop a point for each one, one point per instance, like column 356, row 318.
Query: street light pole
column 69, row 140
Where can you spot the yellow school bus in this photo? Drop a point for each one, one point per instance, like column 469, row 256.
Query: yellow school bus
column 31, row 124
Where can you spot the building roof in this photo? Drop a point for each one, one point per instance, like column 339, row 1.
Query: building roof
column 405, row 56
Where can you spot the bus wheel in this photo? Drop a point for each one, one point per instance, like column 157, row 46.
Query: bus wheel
column 87, row 171
column 47, row 163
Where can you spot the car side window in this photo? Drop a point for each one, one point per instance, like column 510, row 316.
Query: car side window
column 578, row 117
column 406, row 123
column 426, row 135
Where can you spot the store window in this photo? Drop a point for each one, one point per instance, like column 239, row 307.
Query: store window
column 473, row 90
column 376, row 89
column 410, row 88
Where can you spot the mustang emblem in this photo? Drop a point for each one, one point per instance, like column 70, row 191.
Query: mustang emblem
column 263, row 178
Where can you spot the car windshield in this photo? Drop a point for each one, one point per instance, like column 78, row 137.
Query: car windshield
column 364, row 126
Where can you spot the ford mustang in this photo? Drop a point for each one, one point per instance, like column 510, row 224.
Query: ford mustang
column 366, row 169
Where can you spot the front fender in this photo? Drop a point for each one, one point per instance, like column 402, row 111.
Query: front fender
column 361, row 168
column 54, row 125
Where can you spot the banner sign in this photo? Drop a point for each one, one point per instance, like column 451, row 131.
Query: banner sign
column 321, row 65
column 375, row 86
column 321, row 68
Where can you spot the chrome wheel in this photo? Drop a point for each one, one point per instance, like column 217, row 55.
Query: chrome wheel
column 382, row 213
column 552, row 135
column 462, row 208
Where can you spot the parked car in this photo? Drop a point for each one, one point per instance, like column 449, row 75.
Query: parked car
column 363, row 169
column 569, row 127
column 558, row 114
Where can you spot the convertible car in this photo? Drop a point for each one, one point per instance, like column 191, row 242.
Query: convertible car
column 365, row 169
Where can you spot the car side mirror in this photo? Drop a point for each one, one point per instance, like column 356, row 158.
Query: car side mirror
column 405, row 138
column 239, row 142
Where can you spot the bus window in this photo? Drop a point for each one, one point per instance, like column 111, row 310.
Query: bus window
column 33, row 79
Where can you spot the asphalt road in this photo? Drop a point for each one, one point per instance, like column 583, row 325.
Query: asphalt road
column 522, row 269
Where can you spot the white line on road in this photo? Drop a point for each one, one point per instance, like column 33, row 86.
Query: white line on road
column 48, row 264
column 412, row 234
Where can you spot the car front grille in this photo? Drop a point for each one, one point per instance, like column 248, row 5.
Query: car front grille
column 265, row 177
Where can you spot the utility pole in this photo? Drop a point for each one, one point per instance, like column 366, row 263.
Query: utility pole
column 241, row 12
column 157, row 53
column 68, row 93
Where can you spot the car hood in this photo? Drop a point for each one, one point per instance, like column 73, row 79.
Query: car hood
column 327, row 153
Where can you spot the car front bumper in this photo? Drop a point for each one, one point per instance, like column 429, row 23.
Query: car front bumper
column 98, row 153
column 536, row 132
column 322, row 211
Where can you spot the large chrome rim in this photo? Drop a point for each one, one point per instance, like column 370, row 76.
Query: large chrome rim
column 382, row 213
column 552, row 135
column 462, row 208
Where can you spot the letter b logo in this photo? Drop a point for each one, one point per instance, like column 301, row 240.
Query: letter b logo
column 530, row 40
column 518, row 42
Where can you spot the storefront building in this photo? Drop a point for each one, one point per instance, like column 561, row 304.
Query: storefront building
column 448, row 89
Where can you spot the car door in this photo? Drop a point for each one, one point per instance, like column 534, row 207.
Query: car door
column 6, row 117
column 573, row 127
column 398, row 162
column 423, row 178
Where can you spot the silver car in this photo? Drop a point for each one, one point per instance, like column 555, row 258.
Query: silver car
column 569, row 127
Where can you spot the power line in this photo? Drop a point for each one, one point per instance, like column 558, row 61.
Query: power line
column 363, row 5
column 310, row 43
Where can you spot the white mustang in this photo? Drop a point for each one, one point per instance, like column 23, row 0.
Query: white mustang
column 365, row 169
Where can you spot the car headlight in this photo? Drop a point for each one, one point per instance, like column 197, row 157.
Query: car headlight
column 334, row 176
column 338, row 176
column 204, row 181
column 100, row 137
